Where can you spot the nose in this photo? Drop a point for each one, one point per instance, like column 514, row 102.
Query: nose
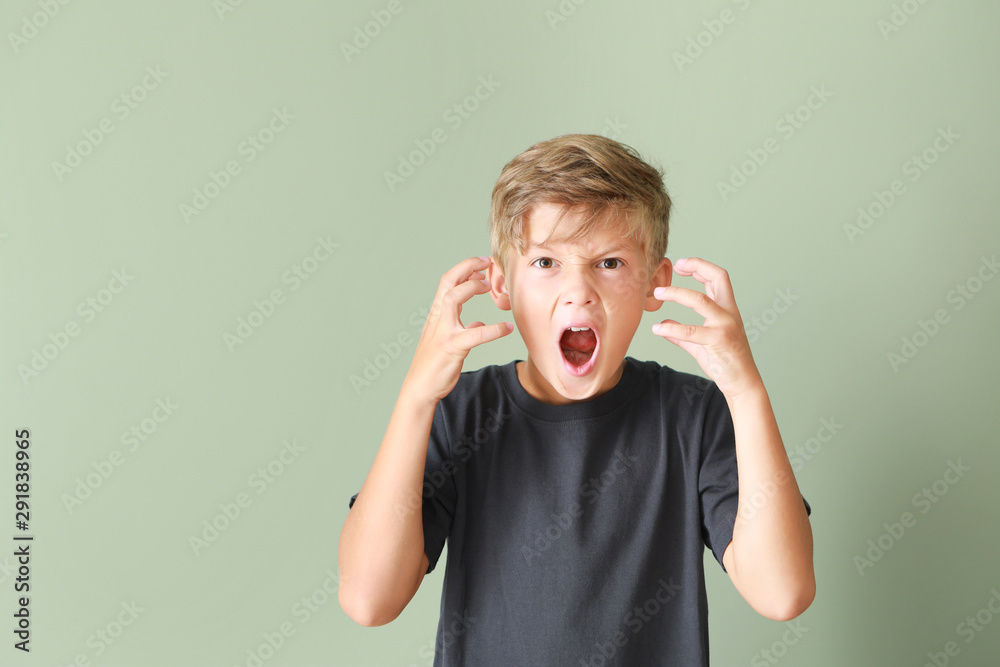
column 577, row 285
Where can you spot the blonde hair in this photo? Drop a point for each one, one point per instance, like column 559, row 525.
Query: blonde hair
column 607, row 181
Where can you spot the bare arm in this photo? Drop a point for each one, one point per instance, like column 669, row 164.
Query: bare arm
column 770, row 556
column 381, row 554
column 770, row 559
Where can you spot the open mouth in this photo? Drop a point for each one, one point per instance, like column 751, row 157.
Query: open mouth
column 579, row 348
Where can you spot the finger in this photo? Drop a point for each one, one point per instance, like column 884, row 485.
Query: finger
column 715, row 278
column 460, row 273
column 453, row 299
column 700, row 302
column 470, row 338
column 675, row 331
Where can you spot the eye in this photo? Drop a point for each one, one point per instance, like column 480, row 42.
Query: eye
column 542, row 259
column 618, row 263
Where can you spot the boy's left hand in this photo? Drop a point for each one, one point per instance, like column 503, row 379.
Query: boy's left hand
column 719, row 345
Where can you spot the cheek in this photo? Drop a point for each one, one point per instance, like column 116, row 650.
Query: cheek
column 626, row 294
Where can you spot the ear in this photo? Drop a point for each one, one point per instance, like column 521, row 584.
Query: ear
column 498, row 285
column 661, row 278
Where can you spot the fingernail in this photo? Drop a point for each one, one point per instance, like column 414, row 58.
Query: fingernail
column 656, row 328
column 486, row 281
column 485, row 258
column 510, row 326
column 680, row 261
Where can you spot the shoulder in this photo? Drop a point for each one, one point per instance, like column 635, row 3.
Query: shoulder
column 687, row 389
column 481, row 386
column 471, row 381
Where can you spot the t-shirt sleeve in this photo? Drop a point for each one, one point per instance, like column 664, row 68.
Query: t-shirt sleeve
column 718, row 480
column 439, row 492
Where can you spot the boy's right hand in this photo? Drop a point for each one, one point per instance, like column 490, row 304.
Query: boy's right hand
column 444, row 342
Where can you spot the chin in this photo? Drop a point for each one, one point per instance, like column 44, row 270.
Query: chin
column 585, row 383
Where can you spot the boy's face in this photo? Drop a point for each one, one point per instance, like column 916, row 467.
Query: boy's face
column 599, row 283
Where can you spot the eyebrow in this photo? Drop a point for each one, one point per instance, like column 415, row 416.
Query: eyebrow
column 606, row 251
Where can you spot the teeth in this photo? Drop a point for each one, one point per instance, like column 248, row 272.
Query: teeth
column 579, row 328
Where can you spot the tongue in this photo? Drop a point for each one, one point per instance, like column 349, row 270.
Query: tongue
column 578, row 346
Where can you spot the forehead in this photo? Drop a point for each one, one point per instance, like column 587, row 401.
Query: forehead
column 544, row 230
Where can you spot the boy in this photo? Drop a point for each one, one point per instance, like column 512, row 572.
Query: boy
column 578, row 488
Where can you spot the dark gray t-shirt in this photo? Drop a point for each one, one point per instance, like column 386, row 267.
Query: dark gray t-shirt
column 576, row 533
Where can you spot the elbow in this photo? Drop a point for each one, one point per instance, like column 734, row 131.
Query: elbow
column 365, row 609
column 791, row 604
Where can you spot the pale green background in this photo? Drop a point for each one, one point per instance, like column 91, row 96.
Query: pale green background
column 162, row 336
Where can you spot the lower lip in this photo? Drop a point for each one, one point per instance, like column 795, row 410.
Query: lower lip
column 579, row 371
